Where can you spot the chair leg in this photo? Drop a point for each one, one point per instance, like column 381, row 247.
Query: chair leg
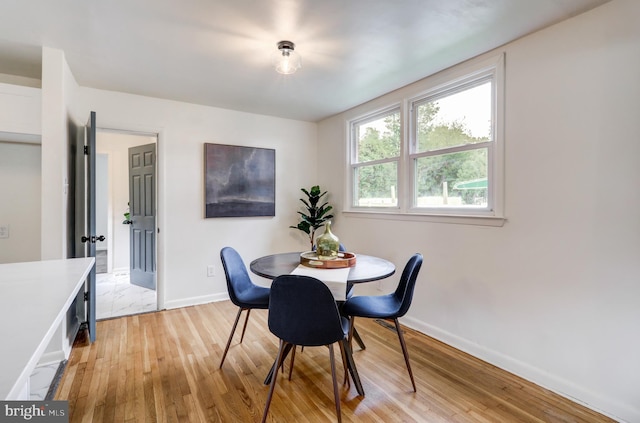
column 351, row 365
column 233, row 329
column 293, row 358
column 345, row 380
column 273, row 380
column 405, row 352
column 336, row 394
column 246, row 320
column 352, row 322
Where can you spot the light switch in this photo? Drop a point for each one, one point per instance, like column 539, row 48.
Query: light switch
column 4, row 231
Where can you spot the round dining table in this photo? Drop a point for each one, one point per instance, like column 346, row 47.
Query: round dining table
column 366, row 268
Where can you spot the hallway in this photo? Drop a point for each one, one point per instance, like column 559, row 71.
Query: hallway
column 117, row 297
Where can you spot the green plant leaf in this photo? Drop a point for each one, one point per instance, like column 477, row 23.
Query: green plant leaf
column 304, row 227
column 315, row 216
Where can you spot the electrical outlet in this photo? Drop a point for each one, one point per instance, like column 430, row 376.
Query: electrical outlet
column 4, row 231
column 211, row 271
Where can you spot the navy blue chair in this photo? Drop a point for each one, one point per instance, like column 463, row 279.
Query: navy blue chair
column 242, row 291
column 391, row 306
column 302, row 311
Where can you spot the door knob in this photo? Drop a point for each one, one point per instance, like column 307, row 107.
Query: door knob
column 92, row 239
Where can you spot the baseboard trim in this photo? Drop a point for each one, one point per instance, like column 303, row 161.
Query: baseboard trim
column 186, row 302
column 606, row 406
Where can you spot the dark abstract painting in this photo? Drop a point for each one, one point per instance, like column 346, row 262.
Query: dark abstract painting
column 239, row 181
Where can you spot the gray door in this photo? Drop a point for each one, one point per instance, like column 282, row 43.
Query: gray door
column 86, row 215
column 142, row 206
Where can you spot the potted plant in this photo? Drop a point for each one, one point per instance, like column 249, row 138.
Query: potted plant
column 314, row 215
column 127, row 217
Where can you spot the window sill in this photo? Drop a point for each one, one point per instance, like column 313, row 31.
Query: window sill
column 435, row 218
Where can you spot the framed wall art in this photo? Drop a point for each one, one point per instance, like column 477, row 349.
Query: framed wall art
column 239, row 181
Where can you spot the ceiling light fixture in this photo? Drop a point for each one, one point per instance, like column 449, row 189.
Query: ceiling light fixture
column 286, row 60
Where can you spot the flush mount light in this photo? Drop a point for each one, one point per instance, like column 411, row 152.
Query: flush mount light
column 286, row 60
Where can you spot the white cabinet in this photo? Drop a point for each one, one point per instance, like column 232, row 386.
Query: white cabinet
column 35, row 299
column 20, row 109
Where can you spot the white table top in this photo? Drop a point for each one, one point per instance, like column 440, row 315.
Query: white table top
column 34, row 299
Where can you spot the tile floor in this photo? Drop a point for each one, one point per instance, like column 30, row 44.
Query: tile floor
column 117, row 297
column 40, row 381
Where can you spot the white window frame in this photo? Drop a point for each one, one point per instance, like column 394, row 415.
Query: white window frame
column 432, row 87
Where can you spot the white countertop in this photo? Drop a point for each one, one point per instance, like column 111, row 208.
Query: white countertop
column 34, row 299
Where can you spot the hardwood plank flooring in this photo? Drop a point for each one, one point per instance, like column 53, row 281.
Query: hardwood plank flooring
column 163, row 367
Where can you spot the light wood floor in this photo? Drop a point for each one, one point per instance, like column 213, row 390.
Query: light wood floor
column 164, row 367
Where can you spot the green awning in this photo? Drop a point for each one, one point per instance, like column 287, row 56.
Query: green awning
column 472, row 184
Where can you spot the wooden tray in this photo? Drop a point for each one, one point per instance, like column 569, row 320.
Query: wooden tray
column 310, row 259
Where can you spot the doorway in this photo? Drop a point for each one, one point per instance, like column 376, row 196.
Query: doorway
column 116, row 294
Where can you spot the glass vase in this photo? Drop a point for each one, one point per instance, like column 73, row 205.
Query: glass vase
column 327, row 244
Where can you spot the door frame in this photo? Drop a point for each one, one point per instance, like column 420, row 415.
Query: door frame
column 160, row 204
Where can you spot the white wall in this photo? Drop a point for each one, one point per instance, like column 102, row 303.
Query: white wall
column 58, row 97
column 187, row 241
column 20, row 201
column 553, row 295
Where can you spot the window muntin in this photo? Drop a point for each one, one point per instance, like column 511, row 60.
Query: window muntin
column 376, row 156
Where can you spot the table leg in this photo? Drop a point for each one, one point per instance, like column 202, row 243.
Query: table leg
column 356, row 336
column 276, row 365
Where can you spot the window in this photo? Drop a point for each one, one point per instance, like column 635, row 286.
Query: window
column 375, row 159
column 451, row 142
column 443, row 156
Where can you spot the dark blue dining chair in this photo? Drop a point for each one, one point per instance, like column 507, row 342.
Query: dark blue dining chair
column 242, row 291
column 349, row 294
column 302, row 311
column 391, row 306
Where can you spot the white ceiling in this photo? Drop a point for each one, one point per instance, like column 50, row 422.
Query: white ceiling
column 218, row 52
